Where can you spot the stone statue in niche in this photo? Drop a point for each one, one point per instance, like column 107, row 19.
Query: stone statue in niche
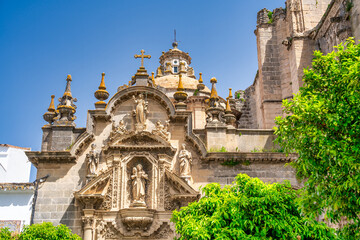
column 92, row 160
column 162, row 130
column 138, row 182
column 140, row 112
column 185, row 160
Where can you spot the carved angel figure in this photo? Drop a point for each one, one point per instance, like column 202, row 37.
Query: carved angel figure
column 185, row 160
column 162, row 129
column 92, row 160
column 139, row 178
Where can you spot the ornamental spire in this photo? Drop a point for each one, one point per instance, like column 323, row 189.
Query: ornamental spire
column 51, row 113
column 68, row 86
column 101, row 94
column 200, row 85
column 180, row 96
column 213, row 94
column 66, row 107
column 153, row 79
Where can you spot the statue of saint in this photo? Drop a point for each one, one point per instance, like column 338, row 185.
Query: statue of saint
column 185, row 162
column 92, row 160
column 139, row 178
column 141, row 109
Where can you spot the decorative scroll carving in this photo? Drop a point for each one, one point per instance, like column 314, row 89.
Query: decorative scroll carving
column 101, row 229
column 138, row 183
column 164, row 232
column 115, row 187
column 92, row 160
column 162, row 130
column 140, row 112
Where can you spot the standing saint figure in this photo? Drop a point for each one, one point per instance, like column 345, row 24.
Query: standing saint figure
column 139, row 178
column 140, row 110
column 185, row 162
column 92, row 160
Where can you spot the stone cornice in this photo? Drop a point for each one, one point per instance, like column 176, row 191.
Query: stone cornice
column 36, row 157
column 250, row 157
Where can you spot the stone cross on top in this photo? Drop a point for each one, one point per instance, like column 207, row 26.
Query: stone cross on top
column 142, row 56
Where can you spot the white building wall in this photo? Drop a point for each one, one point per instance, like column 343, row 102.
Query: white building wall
column 14, row 165
column 16, row 205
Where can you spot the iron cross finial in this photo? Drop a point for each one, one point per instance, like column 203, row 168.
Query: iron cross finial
column 142, row 56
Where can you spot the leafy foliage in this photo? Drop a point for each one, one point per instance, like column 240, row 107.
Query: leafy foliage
column 247, row 209
column 5, row 234
column 46, row 231
column 323, row 126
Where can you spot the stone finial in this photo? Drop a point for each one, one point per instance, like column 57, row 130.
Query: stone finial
column 200, row 85
column 51, row 113
column 153, row 79
column 180, row 96
column 230, row 94
column 229, row 116
column 200, row 78
column 66, row 107
column 101, row 94
column 68, row 86
column 129, row 84
column 180, row 86
column 214, row 94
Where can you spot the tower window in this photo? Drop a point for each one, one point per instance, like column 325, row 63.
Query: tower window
column 175, row 69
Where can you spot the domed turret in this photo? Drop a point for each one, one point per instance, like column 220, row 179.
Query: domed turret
column 173, row 63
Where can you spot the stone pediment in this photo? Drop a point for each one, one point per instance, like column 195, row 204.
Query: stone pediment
column 179, row 188
column 139, row 141
column 95, row 190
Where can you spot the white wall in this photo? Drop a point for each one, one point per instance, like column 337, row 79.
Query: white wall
column 16, row 205
column 14, row 165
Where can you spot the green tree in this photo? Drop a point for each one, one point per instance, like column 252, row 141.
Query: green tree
column 47, row 231
column 5, row 234
column 247, row 209
column 322, row 125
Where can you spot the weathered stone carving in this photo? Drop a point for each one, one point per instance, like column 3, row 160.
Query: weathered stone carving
column 100, row 229
column 162, row 130
column 140, row 112
column 164, row 232
column 92, row 159
column 138, row 183
column 185, row 160
column 121, row 128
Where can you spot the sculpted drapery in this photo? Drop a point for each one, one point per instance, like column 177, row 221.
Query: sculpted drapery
column 139, row 178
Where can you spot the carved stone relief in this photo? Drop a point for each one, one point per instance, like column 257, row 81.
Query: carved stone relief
column 162, row 130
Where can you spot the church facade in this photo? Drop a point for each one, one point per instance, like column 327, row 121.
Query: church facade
column 146, row 151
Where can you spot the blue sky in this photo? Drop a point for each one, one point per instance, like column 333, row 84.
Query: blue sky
column 43, row 41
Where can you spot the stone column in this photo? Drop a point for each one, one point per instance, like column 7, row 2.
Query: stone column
column 88, row 221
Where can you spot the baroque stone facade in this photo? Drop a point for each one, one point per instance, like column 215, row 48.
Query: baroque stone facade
column 148, row 149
